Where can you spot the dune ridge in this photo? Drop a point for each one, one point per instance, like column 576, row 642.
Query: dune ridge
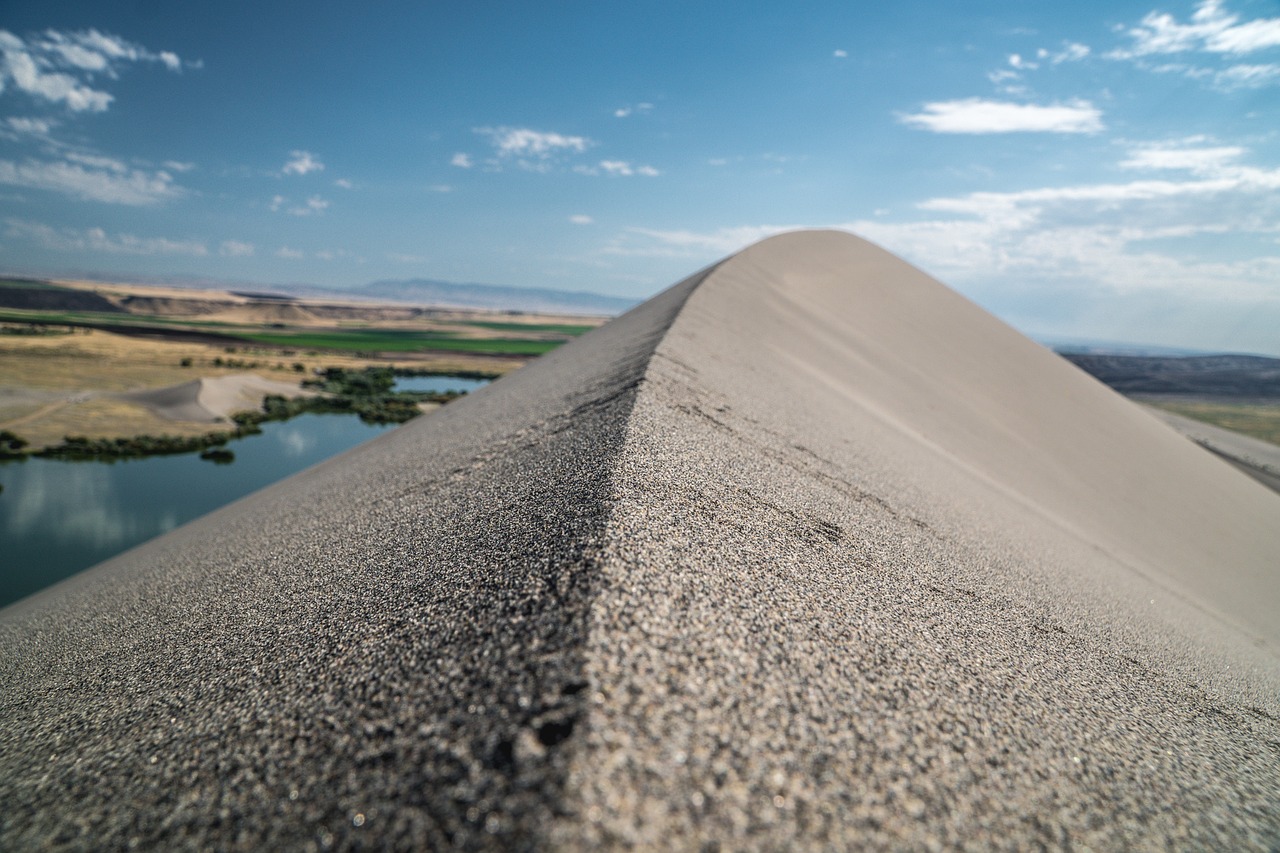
column 807, row 550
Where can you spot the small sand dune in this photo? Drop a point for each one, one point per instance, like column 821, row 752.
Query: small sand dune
column 211, row 399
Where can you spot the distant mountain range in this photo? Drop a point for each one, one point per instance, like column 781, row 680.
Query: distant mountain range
column 422, row 291
column 417, row 291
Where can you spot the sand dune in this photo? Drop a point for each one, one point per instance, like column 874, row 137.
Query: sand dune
column 807, row 551
column 211, row 399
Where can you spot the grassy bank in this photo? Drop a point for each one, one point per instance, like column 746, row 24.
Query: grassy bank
column 1259, row 420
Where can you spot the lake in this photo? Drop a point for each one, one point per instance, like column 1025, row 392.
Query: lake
column 437, row 384
column 58, row 517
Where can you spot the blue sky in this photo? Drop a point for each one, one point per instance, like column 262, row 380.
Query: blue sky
column 1105, row 170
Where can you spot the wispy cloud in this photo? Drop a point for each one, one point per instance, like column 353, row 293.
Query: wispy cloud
column 840, row 54
column 632, row 109
column 1211, row 29
column 524, row 142
column 461, row 160
column 289, row 254
column 581, row 219
column 91, row 178
column 1070, row 52
column 1183, row 156
column 302, row 163
column 617, row 168
column 343, row 183
column 24, row 126
column 98, row 240
column 312, row 206
column 978, row 115
column 1247, row 76
column 236, row 249
column 63, row 67
column 532, row 149
column 1120, row 237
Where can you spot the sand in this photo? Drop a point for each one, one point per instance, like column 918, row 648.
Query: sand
column 807, row 551
column 212, row 399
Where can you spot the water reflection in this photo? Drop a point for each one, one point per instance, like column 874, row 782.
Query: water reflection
column 437, row 384
column 76, row 502
column 295, row 441
column 58, row 517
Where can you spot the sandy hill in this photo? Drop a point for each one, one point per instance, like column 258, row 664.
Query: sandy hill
column 212, row 399
column 807, row 551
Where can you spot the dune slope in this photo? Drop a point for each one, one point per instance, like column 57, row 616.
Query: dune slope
column 807, row 550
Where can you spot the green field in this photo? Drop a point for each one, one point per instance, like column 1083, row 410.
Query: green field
column 28, row 284
column 1259, row 420
column 573, row 330
column 396, row 340
column 345, row 340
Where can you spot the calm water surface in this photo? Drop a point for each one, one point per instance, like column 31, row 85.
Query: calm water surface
column 58, row 517
column 437, row 384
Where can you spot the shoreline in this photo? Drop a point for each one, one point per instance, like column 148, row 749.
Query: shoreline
column 242, row 402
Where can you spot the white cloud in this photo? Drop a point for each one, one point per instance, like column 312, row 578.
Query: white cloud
column 1016, row 61
column 97, row 161
column 26, row 75
column 1071, row 52
column 581, row 219
column 440, row 188
column 1126, row 237
column 1195, row 160
column 313, row 205
column 1211, row 29
column 343, row 183
column 236, row 249
column 1247, row 76
column 623, row 112
column 91, row 178
column 30, row 126
column 840, row 54
column 532, row 149
column 523, row 142
column 976, row 115
column 60, row 67
column 178, row 166
column 461, row 160
column 617, row 168
column 289, row 254
column 301, row 163
column 98, row 240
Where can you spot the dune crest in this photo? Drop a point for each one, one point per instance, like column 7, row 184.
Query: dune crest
column 806, row 551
